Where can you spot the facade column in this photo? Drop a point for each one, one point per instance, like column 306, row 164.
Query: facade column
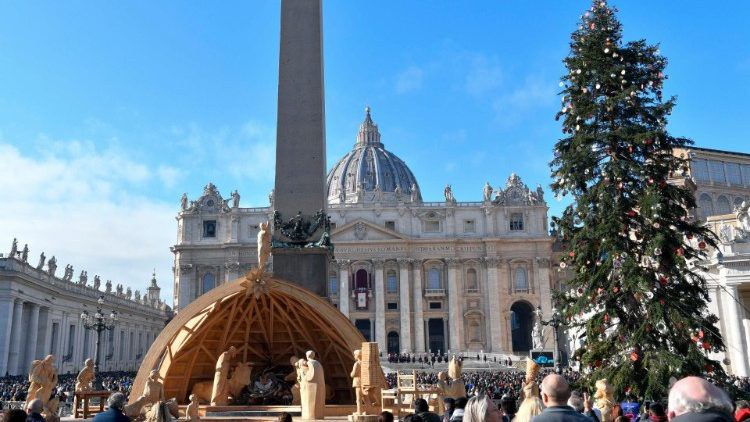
column 504, row 286
column 185, row 277
column 344, row 288
column 405, row 309
column 418, row 310
column 380, row 305
column 448, row 338
column 7, row 313
column 737, row 356
column 14, row 358
column 32, row 335
column 455, row 308
column 541, row 273
column 493, row 303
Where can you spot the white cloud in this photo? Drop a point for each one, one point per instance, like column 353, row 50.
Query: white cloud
column 77, row 203
column 246, row 153
column 534, row 93
column 169, row 175
column 410, row 79
column 484, row 75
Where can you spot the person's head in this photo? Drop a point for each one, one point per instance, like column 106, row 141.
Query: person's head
column 35, row 406
column 310, row 355
column 14, row 415
column 656, row 409
column 481, row 409
column 385, row 417
column 461, row 403
column 357, row 353
column 116, row 401
column 742, row 404
column 285, row 417
column 89, row 363
column 449, row 404
column 420, row 405
column 233, row 351
column 508, row 404
column 154, row 374
column 695, row 394
column 555, row 391
column 193, row 398
column 576, row 403
column 50, row 359
column 622, row 419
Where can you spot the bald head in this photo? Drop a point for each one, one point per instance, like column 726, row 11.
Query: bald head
column 35, row 406
column 695, row 394
column 555, row 390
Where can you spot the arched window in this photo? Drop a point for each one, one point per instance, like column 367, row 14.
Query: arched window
column 522, row 283
column 737, row 202
column 706, row 205
column 471, row 280
column 433, row 279
column 391, row 284
column 209, row 282
column 333, row 284
column 722, row 205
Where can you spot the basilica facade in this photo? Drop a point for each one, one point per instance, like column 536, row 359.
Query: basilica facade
column 415, row 276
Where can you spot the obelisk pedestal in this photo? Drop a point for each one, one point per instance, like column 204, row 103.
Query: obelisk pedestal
column 300, row 146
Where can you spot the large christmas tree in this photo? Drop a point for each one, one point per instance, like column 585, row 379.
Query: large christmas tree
column 634, row 297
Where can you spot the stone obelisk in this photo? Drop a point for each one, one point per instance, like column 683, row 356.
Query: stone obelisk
column 300, row 140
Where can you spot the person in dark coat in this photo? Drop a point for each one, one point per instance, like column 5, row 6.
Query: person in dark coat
column 693, row 399
column 555, row 395
column 422, row 410
column 114, row 412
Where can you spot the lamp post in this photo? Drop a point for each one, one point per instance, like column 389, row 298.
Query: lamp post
column 555, row 322
column 99, row 323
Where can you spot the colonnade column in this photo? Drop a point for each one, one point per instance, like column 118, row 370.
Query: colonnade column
column 15, row 346
column 455, row 314
column 379, row 305
column 737, row 356
column 418, row 311
column 344, row 289
column 405, row 309
column 6, row 313
column 493, row 303
column 32, row 334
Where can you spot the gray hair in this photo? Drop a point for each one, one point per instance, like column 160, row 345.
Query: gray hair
column 717, row 399
column 35, row 406
column 477, row 408
column 116, row 401
column 576, row 403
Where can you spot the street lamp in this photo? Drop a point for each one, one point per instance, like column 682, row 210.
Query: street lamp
column 99, row 323
column 555, row 322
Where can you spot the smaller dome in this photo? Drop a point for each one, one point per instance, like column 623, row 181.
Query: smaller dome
column 370, row 173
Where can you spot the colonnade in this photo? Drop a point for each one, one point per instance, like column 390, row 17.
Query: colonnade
column 33, row 330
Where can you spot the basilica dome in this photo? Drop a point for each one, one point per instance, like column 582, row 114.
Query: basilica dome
column 370, row 173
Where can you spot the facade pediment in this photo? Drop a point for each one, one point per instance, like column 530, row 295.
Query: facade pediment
column 364, row 230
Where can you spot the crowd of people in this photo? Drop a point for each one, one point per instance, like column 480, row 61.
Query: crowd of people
column 14, row 388
column 436, row 358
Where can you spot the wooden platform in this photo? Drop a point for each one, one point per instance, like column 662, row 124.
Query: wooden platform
column 246, row 413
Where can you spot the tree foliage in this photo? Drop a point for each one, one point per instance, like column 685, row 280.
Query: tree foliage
column 631, row 244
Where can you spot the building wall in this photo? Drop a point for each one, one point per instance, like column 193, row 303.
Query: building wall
column 40, row 315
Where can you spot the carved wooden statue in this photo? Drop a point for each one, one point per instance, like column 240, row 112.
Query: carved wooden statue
column 43, row 379
column 604, row 399
column 191, row 413
column 293, row 377
column 220, row 392
column 85, row 377
column 313, row 389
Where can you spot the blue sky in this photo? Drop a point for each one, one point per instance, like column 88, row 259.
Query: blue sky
column 110, row 110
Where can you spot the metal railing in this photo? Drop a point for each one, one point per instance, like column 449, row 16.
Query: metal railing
column 434, row 292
